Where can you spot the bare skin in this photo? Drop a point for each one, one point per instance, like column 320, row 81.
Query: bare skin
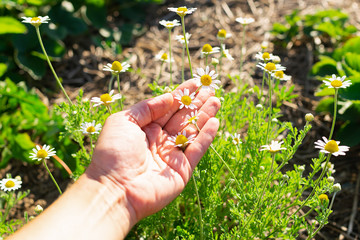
column 136, row 171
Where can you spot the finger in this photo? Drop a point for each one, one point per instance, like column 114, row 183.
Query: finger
column 197, row 149
column 149, row 110
column 174, row 124
column 189, row 84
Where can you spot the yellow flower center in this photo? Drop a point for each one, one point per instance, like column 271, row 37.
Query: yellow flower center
column 273, row 150
column 266, row 55
column 41, row 153
column 206, row 80
column 182, row 9
column 279, row 74
column 323, row 197
column 10, row 184
column 207, row 48
column 192, row 119
column 222, row 33
column 169, row 24
column 270, row 67
column 186, row 100
column 237, row 140
column 181, row 140
column 116, row 66
column 164, row 56
column 331, row 146
column 90, row 129
column 105, row 98
column 336, row 83
column 35, row 19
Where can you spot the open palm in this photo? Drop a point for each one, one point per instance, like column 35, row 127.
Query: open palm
column 134, row 151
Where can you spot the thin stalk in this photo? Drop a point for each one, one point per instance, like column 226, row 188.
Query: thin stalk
column 111, row 82
column 263, row 191
column 262, row 86
column 109, row 109
column 200, row 214
column 52, row 177
column 171, row 83
column 186, row 44
column 241, row 51
column 50, row 65
column 91, row 144
column 183, row 63
column 160, row 72
column 270, row 110
column 335, row 111
column 119, row 89
column 221, row 56
column 206, row 59
column 118, row 82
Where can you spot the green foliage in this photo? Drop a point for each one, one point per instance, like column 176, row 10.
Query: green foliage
column 24, row 119
column 328, row 24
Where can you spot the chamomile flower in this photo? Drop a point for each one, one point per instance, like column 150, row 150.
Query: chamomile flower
column 207, row 49
column 337, row 82
column 116, row 67
column 10, row 184
column 90, row 128
column 191, row 118
column 163, row 57
column 186, row 99
column 245, row 21
column 214, row 62
column 222, row 34
column 36, row 21
column 264, row 56
column 236, row 139
column 264, row 45
column 41, row 153
column 105, row 99
column 181, row 140
column 170, row 24
column 182, row 11
column 227, row 54
column 331, row 146
column 323, row 198
column 274, row 147
column 207, row 79
column 181, row 39
column 281, row 76
column 270, row 67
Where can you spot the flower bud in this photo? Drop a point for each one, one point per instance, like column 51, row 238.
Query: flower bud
column 309, row 117
column 276, row 59
column 331, row 179
column 337, row 187
column 18, row 178
column 285, row 177
column 259, row 106
column 38, row 209
column 274, row 120
column 214, row 61
column 262, row 168
column 167, row 90
column 301, row 168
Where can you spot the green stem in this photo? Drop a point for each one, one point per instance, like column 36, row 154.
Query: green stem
column 261, row 195
column 186, row 44
column 200, row 214
column 171, row 83
column 160, row 72
column 335, row 111
column 241, row 52
column 118, row 82
column 206, row 59
column 119, row 89
column 262, row 86
column 52, row 177
column 50, row 65
column 183, row 63
column 109, row 109
column 111, row 82
column 91, row 144
column 221, row 56
column 270, row 110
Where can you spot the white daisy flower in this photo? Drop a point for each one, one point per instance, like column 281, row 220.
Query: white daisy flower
column 331, row 146
column 41, row 153
column 264, row 56
column 163, row 57
column 105, row 99
column 222, row 34
column 170, row 24
column 10, row 184
column 186, row 99
column 191, row 118
column 274, row 147
column 337, row 82
column 236, row 139
column 281, row 76
column 226, row 53
column 181, row 141
column 245, row 21
column 90, row 128
column 116, row 67
column 207, row 79
column 36, row 21
column 207, row 49
column 271, row 67
column 181, row 39
column 182, row 11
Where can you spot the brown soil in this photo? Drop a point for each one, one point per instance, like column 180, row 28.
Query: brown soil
column 83, row 63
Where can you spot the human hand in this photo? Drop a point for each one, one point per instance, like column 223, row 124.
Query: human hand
column 134, row 154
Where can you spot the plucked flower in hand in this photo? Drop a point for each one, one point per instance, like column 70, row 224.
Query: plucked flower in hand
column 207, row 79
column 181, row 140
column 186, row 99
